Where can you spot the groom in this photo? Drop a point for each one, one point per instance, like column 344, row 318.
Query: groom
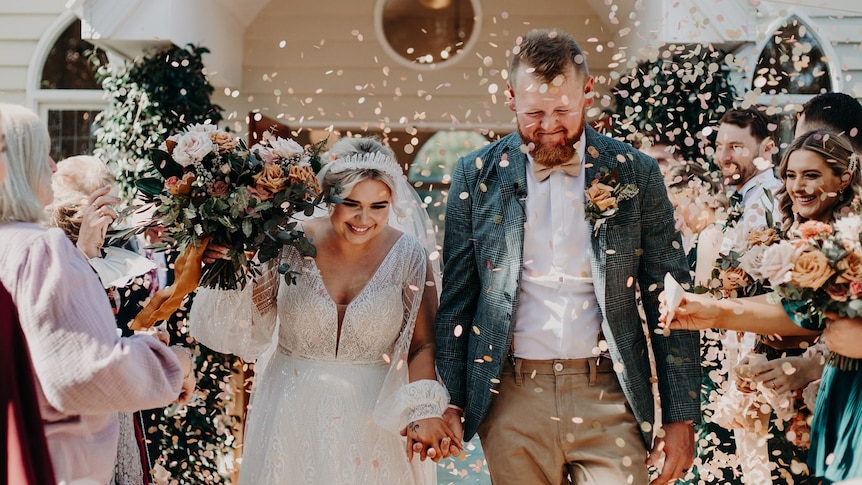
column 539, row 339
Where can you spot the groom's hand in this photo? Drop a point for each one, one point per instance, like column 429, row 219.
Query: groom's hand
column 677, row 446
column 452, row 418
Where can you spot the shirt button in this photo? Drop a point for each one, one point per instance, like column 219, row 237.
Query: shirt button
column 558, row 367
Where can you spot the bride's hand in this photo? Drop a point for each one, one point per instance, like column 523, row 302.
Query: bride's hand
column 215, row 252
column 431, row 438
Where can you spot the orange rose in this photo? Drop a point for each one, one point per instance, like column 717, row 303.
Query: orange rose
column 850, row 268
column 304, row 174
column 269, row 181
column 184, row 186
column 810, row 229
column 763, row 237
column 812, row 270
column 224, row 141
column 601, row 195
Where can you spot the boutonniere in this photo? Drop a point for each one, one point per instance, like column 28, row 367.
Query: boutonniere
column 604, row 195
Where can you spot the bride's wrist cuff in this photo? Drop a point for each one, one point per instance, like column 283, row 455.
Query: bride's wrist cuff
column 423, row 399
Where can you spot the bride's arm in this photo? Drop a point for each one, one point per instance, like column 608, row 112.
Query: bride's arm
column 427, row 433
column 239, row 322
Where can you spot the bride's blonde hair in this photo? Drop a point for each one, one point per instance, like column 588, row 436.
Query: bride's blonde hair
column 354, row 160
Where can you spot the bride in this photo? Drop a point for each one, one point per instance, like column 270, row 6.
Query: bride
column 354, row 359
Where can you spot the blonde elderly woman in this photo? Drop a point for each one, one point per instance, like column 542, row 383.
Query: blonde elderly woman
column 86, row 374
column 354, row 360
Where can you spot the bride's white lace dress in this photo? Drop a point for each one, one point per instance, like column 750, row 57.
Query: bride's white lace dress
column 311, row 413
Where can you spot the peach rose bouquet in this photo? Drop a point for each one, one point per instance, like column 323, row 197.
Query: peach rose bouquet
column 819, row 270
column 212, row 188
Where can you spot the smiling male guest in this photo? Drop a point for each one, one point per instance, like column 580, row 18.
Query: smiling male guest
column 743, row 152
column 538, row 335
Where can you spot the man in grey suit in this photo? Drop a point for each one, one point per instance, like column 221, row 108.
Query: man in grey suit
column 539, row 339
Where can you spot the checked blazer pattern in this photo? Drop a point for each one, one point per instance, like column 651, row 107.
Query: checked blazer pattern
column 483, row 258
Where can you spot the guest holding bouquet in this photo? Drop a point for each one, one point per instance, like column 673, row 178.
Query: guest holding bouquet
column 86, row 374
column 354, row 359
column 818, row 276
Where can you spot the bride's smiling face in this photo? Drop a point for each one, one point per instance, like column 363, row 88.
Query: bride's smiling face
column 364, row 213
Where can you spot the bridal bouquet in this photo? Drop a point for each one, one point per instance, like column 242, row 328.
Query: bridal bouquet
column 819, row 271
column 213, row 189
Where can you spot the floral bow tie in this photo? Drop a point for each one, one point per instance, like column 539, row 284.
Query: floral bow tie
column 571, row 167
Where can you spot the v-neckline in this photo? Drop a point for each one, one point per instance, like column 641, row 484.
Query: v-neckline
column 340, row 323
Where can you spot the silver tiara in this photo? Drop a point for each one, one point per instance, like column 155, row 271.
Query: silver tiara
column 854, row 163
column 367, row 161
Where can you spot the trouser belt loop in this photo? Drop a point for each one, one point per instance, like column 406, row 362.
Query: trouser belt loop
column 593, row 364
column 519, row 377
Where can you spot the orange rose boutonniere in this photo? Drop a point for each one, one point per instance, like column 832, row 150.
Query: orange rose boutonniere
column 604, row 195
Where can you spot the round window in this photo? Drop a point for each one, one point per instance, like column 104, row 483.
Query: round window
column 424, row 33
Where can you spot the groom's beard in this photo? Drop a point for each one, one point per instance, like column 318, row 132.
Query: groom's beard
column 551, row 154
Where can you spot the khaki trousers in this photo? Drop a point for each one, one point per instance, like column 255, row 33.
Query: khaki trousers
column 562, row 422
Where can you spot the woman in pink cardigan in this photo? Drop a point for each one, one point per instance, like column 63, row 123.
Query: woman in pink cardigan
column 86, row 374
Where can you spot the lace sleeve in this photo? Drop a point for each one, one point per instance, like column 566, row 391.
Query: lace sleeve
column 240, row 322
column 401, row 401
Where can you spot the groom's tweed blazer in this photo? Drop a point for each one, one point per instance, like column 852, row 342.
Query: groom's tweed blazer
column 483, row 258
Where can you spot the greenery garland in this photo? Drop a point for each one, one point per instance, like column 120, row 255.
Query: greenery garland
column 151, row 98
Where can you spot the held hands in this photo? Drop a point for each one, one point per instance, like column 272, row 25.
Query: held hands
column 782, row 375
column 695, row 312
column 432, row 438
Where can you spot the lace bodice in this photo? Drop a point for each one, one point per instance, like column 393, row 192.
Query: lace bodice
column 230, row 322
column 372, row 321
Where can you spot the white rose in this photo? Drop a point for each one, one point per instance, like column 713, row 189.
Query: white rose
column 751, row 261
column 735, row 239
column 286, row 148
column 164, row 145
column 849, row 228
column 193, row 147
column 201, row 128
column 777, row 262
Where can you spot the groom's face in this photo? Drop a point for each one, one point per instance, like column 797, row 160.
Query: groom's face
column 551, row 114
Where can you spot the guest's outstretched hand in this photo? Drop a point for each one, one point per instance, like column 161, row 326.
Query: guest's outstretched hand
column 694, row 312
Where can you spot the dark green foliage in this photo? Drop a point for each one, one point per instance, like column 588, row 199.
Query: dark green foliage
column 150, row 99
column 671, row 97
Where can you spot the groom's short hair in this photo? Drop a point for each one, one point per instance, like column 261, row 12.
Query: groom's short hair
column 550, row 53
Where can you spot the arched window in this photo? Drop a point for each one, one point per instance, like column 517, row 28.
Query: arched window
column 432, row 167
column 793, row 62
column 68, row 97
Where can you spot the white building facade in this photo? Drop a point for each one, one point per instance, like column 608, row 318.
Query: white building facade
column 343, row 65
